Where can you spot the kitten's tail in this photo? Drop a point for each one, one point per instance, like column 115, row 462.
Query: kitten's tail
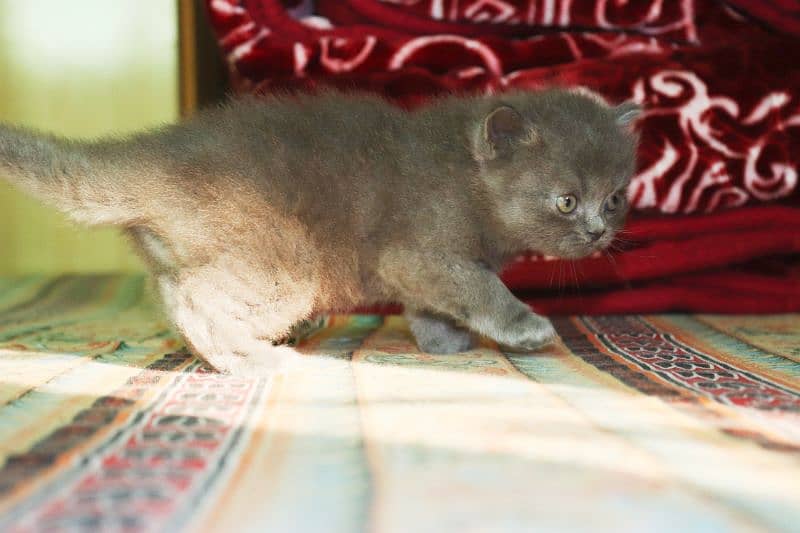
column 88, row 181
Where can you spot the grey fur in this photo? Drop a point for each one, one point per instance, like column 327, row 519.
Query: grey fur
column 262, row 213
column 438, row 334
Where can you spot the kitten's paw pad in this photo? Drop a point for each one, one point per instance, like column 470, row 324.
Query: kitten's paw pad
column 528, row 332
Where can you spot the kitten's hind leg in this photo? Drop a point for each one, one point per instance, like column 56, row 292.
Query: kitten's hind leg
column 231, row 349
column 438, row 335
column 264, row 360
column 231, row 326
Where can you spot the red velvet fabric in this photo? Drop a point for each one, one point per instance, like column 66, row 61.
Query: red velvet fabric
column 742, row 260
column 720, row 134
column 669, row 19
column 782, row 15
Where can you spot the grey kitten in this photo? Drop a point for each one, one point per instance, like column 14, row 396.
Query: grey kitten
column 265, row 212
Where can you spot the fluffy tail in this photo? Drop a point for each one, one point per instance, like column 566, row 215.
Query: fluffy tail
column 91, row 182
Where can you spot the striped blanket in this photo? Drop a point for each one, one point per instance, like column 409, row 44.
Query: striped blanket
column 647, row 423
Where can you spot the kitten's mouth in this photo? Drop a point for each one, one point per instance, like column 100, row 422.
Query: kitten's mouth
column 599, row 247
column 576, row 254
column 584, row 249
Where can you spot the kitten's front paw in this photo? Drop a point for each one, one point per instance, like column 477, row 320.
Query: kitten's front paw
column 526, row 332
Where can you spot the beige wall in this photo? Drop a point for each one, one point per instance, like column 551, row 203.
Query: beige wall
column 81, row 68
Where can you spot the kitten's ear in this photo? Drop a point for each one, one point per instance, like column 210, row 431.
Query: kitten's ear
column 627, row 113
column 500, row 130
column 503, row 125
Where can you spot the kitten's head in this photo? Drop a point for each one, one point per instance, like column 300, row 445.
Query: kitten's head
column 556, row 165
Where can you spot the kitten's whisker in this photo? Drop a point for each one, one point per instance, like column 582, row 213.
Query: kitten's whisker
column 613, row 261
column 571, row 271
column 621, row 241
column 616, row 247
column 579, row 268
column 575, row 274
column 557, row 272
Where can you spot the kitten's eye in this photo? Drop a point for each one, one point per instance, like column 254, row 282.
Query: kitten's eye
column 613, row 202
column 566, row 203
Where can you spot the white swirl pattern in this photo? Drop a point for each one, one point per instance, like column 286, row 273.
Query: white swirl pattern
column 685, row 96
column 653, row 20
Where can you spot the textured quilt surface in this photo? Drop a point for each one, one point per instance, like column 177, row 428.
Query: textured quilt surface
column 648, row 423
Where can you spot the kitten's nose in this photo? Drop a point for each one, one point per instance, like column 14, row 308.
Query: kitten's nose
column 596, row 234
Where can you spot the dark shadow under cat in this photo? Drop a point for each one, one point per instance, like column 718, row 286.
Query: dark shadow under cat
column 264, row 212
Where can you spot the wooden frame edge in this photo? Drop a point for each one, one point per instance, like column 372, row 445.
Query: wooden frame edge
column 187, row 57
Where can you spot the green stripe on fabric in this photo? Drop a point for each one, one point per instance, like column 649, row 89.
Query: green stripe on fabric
column 13, row 290
column 71, row 308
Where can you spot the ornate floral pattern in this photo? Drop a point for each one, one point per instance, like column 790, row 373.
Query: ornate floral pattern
column 653, row 17
column 707, row 123
column 661, row 353
column 150, row 470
